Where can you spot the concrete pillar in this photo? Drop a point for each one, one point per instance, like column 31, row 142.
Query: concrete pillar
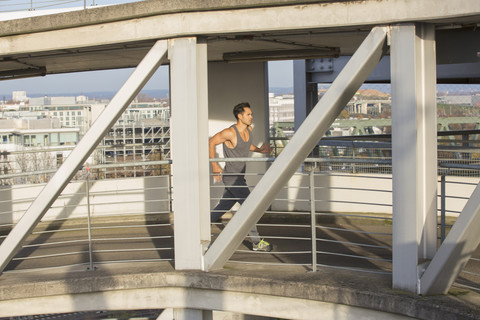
column 414, row 147
column 189, row 141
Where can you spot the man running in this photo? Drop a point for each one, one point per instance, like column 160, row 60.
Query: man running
column 237, row 142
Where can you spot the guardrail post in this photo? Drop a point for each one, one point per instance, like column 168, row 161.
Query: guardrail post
column 353, row 158
column 442, row 207
column 89, row 222
column 313, row 220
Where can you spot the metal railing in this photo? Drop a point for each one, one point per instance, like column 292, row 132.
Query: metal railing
column 354, row 154
column 94, row 222
column 32, row 5
column 305, row 233
column 319, row 219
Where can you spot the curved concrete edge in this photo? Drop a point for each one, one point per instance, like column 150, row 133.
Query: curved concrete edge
column 386, row 12
column 203, row 299
column 134, row 10
column 285, row 294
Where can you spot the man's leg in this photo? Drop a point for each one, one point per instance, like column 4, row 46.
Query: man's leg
column 225, row 204
column 241, row 192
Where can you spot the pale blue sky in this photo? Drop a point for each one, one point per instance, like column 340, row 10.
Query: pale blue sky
column 280, row 75
column 280, row 72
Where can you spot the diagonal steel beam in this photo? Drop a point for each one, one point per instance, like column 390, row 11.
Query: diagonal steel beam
column 455, row 251
column 313, row 128
column 85, row 147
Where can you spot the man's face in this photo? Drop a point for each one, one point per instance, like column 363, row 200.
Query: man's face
column 246, row 117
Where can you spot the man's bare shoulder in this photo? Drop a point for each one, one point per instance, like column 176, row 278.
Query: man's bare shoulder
column 228, row 133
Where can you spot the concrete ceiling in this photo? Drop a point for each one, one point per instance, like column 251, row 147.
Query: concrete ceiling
column 119, row 36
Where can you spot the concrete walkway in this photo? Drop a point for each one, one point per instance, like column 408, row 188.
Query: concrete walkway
column 245, row 288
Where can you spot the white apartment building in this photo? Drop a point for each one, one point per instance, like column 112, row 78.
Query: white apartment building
column 19, row 96
column 38, row 137
column 29, row 144
column 281, row 108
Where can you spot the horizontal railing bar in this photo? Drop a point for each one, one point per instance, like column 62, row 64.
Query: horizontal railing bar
column 49, row 255
column 352, row 215
column 131, row 250
column 274, row 252
column 355, row 269
column 46, row 268
column 461, row 182
column 46, row 244
column 471, row 273
column 286, row 264
column 356, row 244
column 106, row 215
column 132, row 260
column 59, row 230
column 131, row 238
column 356, row 202
column 132, row 226
column 353, row 256
column 102, row 166
column 466, row 286
column 354, row 231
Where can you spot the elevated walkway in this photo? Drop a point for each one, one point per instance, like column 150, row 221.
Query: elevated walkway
column 193, row 39
column 276, row 284
column 285, row 292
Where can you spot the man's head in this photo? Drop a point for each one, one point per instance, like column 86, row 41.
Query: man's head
column 240, row 108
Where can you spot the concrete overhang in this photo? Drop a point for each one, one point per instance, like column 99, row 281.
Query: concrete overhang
column 119, row 36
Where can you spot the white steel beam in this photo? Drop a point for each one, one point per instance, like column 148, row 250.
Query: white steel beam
column 455, row 251
column 189, row 140
column 307, row 136
column 85, row 147
column 414, row 150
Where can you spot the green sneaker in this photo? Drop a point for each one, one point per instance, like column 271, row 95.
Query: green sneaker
column 262, row 246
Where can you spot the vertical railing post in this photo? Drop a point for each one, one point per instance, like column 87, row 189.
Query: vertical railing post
column 313, row 220
column 89, row 222
column 353, row 158
column 442, row 207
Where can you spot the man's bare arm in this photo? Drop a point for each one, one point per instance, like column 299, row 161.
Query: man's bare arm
column 265, row 148
column 221, row 137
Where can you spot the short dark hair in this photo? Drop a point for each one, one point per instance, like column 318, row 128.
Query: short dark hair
column 240, row 108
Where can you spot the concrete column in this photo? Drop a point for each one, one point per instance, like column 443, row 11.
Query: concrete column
column 414, row 147
column 189, row 141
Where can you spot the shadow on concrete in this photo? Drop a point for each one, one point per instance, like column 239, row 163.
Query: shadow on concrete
column 158, row 216
column 44, row 231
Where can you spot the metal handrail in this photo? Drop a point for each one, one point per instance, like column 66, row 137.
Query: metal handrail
column 354, row 242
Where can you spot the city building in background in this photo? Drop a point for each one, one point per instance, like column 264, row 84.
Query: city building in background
column 38, row 133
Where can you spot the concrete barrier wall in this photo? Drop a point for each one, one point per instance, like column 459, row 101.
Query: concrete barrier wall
column 107, row 197
column 333, row 193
